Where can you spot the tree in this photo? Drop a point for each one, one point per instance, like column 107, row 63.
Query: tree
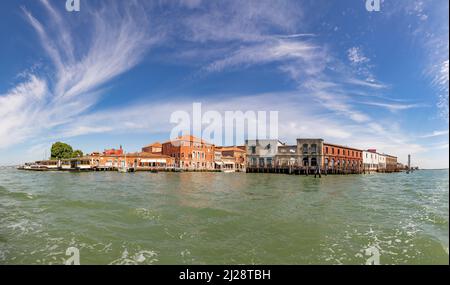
column 61, row 151
column 77, row 153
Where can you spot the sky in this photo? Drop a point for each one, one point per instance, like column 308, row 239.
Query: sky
column 114, row 72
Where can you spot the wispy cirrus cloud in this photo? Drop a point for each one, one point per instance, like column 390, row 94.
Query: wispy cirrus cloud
column 269, row 51
column 428, row 27
column 20, row 110
column 436, row 134
column 44, row 102
column 393, row 107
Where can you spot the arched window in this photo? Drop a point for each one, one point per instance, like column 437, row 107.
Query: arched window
column 313, row 161
column 305, row 161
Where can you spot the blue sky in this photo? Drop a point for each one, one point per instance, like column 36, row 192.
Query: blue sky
column 113, row 73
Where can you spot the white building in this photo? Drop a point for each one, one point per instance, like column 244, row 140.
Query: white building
column 261, row 153
column 381, row 162
column 371, row 160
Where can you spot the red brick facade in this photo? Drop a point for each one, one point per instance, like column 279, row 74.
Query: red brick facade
column 342, row 157
column 190, row 153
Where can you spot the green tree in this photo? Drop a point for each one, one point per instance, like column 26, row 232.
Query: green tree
column 61, row 151
column 77, row 153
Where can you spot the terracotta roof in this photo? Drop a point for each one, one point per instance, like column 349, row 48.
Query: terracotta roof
column 133, row 154
column 341, row 146
column 230, row 148
column 156, row 144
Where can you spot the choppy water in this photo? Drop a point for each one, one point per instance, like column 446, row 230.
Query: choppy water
column 213, row 218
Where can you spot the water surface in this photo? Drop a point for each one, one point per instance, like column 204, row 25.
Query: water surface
column 215, row 218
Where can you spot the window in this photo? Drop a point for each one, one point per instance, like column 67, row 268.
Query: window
column 339, row 151
column 305, row 161
column 305, row 148
column 313, row 161
column 314, row 148
column 326, row 150
column 253, row 149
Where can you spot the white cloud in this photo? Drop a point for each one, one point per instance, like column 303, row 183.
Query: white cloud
column 266, row 52
column 435, row 134
column 394, row 107
column 20, row 110
column 356, row 56
column 36, row 107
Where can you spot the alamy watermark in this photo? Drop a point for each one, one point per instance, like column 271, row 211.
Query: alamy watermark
column 73, row 5
column 74, row 256
column 374, row 255
column 373, row 5
column 227, row 128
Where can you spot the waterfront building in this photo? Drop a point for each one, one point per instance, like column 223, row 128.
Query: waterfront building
column 391, row 163
column 287, row 156
column 262, row 153
column 230, row 159
column 342, row 159
column 155, row 148
column 136, row 161
column 310, row 152
column 381, row 162
column 113, row 151
column 190, row 153
column 218, row 160
column 370, row 160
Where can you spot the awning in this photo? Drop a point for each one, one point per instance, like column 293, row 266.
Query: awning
column 218, row 162
column 153, row 160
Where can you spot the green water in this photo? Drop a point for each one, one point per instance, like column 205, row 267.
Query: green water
column 214, row 218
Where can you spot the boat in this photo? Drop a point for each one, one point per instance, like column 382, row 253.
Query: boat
column 123, row 168
column 178, row 169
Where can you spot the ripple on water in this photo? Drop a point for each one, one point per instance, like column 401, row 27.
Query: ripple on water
column 294, row 220
column 16, row 195
column 146, row 257
column 147, row 214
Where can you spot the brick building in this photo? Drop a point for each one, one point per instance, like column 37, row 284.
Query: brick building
column 190, row 153
column 343, row 159
column 231, row 158
column 155, row 148
column 113, row 151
